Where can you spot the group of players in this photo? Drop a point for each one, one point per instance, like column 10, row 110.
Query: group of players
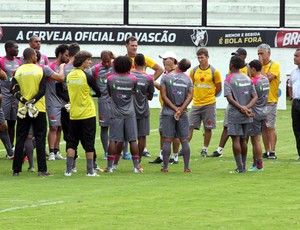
column 64, row 88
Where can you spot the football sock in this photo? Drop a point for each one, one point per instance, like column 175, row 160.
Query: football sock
column 6, row 142
column 117, row 158
column 259, row 163
column 244, row 159
column 220, row 149
column 160, row 154
column 166, row 151
column 175, row 156
column 239, row 162
column 51, row 150
column 70, row 164
column 90, row 166
column 136, row 160
column 186, row 154
column 110, row 160
column 55, row 151
column 104, row 138
column 205, row 148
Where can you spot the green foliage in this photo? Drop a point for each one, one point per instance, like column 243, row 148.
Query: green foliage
column 207, row 198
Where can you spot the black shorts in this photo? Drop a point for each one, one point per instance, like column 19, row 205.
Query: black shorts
column 83, row 131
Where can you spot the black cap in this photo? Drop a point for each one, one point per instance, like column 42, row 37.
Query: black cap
column 240, row 51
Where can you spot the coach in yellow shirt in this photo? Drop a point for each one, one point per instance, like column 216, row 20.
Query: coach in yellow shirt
column 271, row 70
column 207, row 85
column 29, row 86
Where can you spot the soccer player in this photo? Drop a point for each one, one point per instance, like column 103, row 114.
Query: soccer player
column 270, row 69
column 35, row 43
column 262, row 87
column 82, row 87
column 169, row 59
column 242, row 53
column 123, row 125
column 132, row 46
column 144, row 92
column 53, row 103
column 241, row 95
column 294, row 93
column 3, row 132
column 29, row 86
column 9, row 63
column 101, row 72
column 207, row 85
column 62, row 92
column 177, row 93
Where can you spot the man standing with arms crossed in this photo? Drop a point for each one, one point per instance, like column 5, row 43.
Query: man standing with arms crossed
column 271, row 70
column 207, row 85
column 294, row 92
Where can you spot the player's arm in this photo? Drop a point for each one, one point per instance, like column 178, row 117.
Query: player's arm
column 3, row 75
column 93, row 84
column 218, row 88
column 158, row 70
column 15, row 90
column 164, row 97
column 63, row 94
column 151, row 89
column 188, row 100
column 42, row 90
column 60, row 77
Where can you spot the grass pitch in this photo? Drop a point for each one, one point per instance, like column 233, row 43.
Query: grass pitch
column 207, row 198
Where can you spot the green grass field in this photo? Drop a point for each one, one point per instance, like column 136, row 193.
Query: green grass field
column 207, row 198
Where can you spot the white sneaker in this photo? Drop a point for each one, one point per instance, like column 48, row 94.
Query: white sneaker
column 92, row 174
column 135, row 170
column 97, row 168
column 58, row 156
column 67, row 174
column 51, row 157
column 114, row 167
column 74, row 170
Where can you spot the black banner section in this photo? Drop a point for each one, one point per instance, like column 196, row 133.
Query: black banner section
column 153, row 36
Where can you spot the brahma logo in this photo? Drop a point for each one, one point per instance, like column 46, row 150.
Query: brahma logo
column 1, row 32
column 199, row 37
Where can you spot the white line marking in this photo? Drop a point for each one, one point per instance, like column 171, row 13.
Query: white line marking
column 30, row 206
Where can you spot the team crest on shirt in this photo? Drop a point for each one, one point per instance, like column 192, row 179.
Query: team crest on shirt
column 1, row 32
column 199, row 37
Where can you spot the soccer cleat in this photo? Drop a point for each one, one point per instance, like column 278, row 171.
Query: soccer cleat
column 238, row 171
column 44, row 174
column 265, row 155
column 74, row 170
column 10, row 157
column 97, row 168
column 146, row 154
column 30, row 169
column 92, row 174
column 139, row 170
column 203, row 153
column 25, row 159
column 114, row 167
column 272, row 155
column 255, row 169
column 180, row 153
column 187, row 170
column 171, row 161
column 105, row 156
column 126, row 156
column 108, row 170
column 67, row 174
column 215, row 154
column 51, row 157
column 164, row 170
column 158, row 160
column 58, row 156
column 16, row 174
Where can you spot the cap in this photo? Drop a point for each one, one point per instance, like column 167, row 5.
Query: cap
column 240, row 51
column 168, row 54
